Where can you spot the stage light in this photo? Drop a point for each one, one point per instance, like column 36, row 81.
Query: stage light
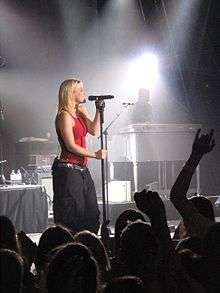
column 143, row 72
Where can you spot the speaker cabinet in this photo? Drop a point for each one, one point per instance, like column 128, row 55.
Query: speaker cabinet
column 119, row 191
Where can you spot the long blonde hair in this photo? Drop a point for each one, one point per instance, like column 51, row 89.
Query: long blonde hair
column 66, row 90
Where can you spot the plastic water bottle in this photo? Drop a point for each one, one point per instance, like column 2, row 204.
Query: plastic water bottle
column 13, row 177
column 18, row 177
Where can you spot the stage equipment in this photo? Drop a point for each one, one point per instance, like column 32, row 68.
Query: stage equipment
column 40, row 176
column 119, row 191
column 162, row 143
column 104, row 167
column 35, row 156
column 105, row 134
column 26, row 206
column 36, row 175
column 35, row 152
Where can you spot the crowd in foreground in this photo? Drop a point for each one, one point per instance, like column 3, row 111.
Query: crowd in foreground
column 142, row 258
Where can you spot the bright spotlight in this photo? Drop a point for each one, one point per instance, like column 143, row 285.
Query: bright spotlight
column 149, row 61
column 143, row 72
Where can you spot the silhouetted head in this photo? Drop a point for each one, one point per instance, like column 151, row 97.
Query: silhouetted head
column 126, row 217
column 138, row 245
column 71, row 270
column 50, row 239
column 204, row 206
column 191, row 243
column 211, row 241
column 12, row 271
column 143, row 95
column 96, row 247
column 125, row 284
column 8, row 238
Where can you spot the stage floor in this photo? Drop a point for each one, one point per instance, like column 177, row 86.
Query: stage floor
column 171, row 224
column 115, row 209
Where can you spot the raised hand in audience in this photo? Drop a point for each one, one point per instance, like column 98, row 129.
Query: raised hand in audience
column 150, row 203
column 203, row 143
column 195, row 223
column 168, row 269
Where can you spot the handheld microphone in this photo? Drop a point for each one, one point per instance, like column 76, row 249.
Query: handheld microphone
column 102, row 97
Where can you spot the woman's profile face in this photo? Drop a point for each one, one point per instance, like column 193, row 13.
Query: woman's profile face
column 79, row 94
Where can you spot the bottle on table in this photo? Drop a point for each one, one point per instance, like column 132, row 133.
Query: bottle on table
column 13, row 177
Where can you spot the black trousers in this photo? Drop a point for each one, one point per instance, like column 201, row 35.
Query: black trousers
column 75, row 204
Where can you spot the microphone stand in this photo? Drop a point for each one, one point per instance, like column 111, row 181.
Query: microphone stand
column 105, row 182
column 101, row 111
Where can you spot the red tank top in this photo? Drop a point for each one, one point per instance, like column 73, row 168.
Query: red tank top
column 79, row 133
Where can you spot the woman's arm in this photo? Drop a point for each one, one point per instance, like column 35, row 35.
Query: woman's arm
column 202, row 144
column 93, row 126
column 169, row 270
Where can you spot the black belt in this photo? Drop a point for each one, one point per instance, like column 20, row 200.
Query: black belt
column 71, row 166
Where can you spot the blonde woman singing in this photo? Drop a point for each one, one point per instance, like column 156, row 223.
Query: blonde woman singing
column 75, row 203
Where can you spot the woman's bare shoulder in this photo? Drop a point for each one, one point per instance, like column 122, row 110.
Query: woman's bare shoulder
column 63, row 117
